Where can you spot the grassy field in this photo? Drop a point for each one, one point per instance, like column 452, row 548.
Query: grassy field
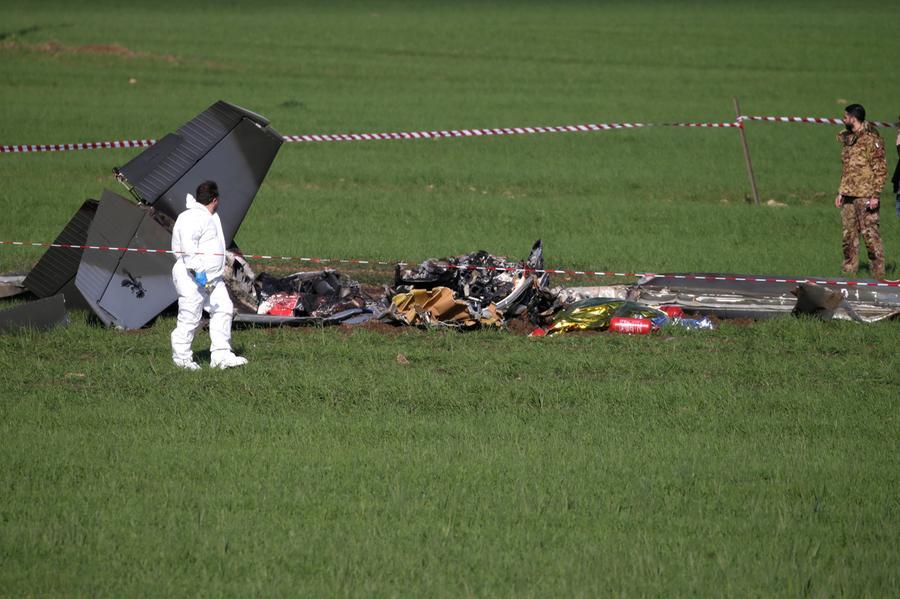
column 751, row 460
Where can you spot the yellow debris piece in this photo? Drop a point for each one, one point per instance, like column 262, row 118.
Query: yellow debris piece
column 438, row 305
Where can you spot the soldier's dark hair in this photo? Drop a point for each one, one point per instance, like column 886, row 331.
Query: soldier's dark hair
column 857, row 111
column 207, row 192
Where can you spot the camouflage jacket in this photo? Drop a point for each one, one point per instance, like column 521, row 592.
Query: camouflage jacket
column 865, row 167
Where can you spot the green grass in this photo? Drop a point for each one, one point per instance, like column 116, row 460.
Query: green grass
column 578, row 465
column 751, row 460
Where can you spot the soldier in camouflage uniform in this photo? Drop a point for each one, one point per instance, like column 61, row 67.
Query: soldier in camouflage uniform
column 896, row 178
column 863, row 176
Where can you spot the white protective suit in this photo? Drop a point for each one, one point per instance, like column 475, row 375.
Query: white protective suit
column 199, row 245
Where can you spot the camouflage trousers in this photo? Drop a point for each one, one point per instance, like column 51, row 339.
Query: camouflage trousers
column 856, row 220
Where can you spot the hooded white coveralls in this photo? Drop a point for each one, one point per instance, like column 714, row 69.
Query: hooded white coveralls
column 199, row 245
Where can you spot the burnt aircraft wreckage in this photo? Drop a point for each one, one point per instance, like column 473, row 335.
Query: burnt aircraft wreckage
column 470, row 291
column 482, row 290
column 127, row 289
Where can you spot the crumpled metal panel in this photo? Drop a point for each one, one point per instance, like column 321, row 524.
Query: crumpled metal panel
column 348, row 317
column 819, row 302
column 12, row 284
column 439, row 306
column 483, row 280
column 268, row 320
column 239, row 278
column 755, row 299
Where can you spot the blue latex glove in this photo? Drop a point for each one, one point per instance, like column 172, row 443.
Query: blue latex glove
column 200, row 278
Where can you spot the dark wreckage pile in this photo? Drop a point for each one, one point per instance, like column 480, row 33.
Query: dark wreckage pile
column 471, row 291
column 479, row 290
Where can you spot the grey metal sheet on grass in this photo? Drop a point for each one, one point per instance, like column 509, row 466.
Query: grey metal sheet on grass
column 42, row 314
column 755, row 299
column 349, row 316
column 268, row 320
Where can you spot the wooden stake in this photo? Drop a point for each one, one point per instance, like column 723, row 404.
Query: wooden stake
column 737, row 114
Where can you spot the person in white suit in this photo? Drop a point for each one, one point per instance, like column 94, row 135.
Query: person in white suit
column 199, row 248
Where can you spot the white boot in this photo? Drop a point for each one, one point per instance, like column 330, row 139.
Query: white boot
column 188, row 364
column 227, row 360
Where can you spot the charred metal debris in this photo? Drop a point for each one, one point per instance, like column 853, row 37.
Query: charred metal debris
column 477, row 289
column 470, row 291
column 482, row 290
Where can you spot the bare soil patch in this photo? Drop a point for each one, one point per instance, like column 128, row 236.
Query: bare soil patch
column 55, row 48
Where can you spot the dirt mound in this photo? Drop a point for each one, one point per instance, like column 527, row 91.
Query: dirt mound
column 519, row 326
column 117, row 50
column 55, row 48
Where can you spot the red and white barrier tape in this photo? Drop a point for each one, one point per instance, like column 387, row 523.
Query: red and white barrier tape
column 810, row 119
column 397, row 135
column 445, row 133
column 556, row 271
column 726, row 125
column 449, row 133
column 89, row 145
column 462, row 132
